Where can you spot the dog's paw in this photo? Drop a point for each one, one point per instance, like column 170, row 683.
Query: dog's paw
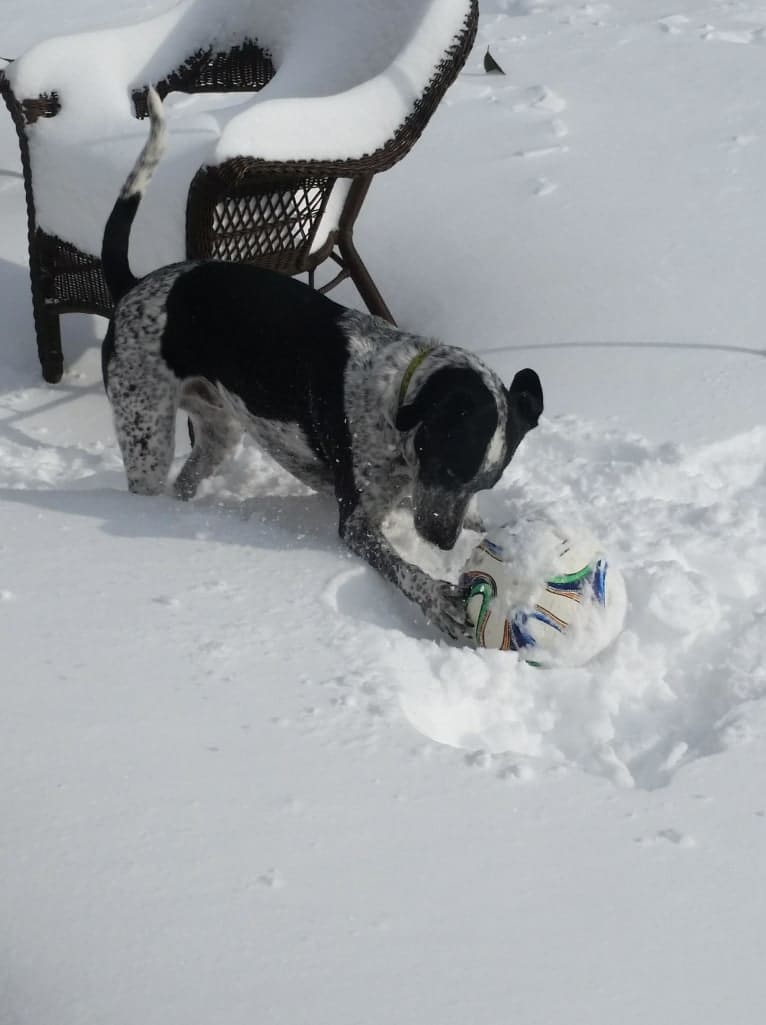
column 445, row 608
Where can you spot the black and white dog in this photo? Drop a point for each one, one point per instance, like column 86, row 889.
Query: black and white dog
column 342, row 400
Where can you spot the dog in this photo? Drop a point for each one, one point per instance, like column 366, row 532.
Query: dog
column 344, row 401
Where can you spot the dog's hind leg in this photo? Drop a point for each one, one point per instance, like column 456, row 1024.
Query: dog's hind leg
column 215, row 433
column 145, row 429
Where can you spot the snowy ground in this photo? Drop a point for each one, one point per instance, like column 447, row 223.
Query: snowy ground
column 243, row 782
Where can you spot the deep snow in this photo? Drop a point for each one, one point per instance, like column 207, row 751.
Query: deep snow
column 243, row 781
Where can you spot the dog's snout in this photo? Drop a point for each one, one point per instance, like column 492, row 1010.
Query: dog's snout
column 438, row 528
column 445, row 543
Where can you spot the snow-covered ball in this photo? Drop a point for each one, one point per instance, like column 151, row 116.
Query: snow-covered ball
column 546, row 591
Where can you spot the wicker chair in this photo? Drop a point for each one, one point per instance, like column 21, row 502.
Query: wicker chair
column 289, row 214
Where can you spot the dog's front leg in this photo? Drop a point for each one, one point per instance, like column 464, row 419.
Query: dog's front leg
column 443, row 604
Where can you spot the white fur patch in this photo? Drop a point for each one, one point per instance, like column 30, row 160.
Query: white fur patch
column 285, row 442
column 496, row 447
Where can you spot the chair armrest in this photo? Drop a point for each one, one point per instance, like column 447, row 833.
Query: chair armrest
column 359, row 130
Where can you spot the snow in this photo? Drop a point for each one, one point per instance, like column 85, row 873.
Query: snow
column 243, row 780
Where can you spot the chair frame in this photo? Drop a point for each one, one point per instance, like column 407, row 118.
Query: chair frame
column 262, row 212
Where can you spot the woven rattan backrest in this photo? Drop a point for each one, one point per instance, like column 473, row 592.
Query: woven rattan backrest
column 269, row 219
column 244, row 68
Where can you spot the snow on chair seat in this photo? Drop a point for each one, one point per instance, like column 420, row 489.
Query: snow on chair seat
column 280, row 113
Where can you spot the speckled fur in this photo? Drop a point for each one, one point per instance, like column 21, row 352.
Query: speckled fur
column 345, row 432
column 143, row 391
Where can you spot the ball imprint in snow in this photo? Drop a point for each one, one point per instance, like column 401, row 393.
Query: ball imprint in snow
column 546, row 591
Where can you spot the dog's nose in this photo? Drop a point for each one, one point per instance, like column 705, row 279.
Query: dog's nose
column 438, row 530
column 446, row 543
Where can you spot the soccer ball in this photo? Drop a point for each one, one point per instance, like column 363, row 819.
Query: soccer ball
column 545, row 591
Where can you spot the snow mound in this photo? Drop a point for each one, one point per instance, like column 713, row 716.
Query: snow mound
column 687, row 676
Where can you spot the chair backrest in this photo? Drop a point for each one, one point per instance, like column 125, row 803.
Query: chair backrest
column 244, row 67
column 349, row 76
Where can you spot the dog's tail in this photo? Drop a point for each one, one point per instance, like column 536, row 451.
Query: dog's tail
column 114, row 248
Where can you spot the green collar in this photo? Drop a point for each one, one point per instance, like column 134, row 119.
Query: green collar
column 409, row 373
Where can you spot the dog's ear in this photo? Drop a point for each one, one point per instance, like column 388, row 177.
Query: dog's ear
column 525, row 398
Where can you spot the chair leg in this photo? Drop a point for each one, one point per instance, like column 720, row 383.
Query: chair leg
column 365, row 286
column 48, row 331
column 47, row 322
column 350, row 258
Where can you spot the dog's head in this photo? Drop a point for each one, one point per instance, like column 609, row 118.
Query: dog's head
column 464, row 432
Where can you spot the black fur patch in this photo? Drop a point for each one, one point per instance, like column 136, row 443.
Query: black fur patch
column 246, row 328
column 456, row 416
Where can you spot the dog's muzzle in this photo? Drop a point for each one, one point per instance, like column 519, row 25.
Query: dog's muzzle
column 439, row 518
